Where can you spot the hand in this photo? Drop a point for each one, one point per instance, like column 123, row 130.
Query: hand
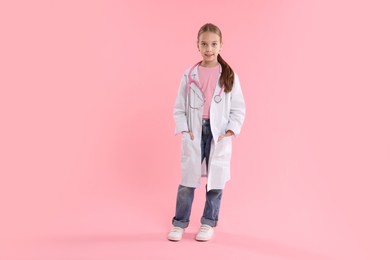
column 227, row 134
column 190, row 133
column 221, row 137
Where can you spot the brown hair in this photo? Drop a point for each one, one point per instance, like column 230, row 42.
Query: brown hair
column 227, row 76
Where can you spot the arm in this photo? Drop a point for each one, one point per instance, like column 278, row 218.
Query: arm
column 179, row 111
column 237, row 109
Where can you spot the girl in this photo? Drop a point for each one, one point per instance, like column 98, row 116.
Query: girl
column 208, row 110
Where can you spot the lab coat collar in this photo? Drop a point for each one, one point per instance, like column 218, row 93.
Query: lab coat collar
column 195, row 72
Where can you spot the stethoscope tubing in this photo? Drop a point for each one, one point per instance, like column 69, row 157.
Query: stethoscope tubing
column 217, row 98
column 190, row 80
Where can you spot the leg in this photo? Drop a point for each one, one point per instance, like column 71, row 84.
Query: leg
column 211, row 208
column 205, row 144
column 185, row 197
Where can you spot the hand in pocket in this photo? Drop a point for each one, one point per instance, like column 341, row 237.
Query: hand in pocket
column 190, row 133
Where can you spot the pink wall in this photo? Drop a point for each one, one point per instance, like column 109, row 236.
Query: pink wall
column 87, row 146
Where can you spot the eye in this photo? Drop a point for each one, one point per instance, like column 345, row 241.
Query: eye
column 215, row 44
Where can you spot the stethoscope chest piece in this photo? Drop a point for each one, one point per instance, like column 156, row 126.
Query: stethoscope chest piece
column 199, row 100
column 217, row 98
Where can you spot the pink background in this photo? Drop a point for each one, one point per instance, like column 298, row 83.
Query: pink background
column 89, row 163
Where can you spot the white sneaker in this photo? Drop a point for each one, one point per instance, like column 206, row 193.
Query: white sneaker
column 176, row 234
column 205, row 233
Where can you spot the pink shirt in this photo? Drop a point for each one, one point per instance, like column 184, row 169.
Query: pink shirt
column 208, row 77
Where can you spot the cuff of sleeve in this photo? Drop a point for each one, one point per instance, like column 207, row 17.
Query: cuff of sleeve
column 181, row 128
column 234, row 128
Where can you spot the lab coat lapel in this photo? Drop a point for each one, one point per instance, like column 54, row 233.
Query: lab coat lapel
column 195, row 76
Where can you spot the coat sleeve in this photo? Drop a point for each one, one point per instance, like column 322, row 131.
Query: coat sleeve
column 237, row 108
column 179, row 111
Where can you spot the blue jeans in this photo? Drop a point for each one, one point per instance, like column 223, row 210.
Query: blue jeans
column 205, row 143
column 185, row 195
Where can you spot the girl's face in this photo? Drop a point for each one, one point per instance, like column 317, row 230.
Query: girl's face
column 209, row 45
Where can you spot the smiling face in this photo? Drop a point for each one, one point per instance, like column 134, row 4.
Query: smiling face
column 209, row 45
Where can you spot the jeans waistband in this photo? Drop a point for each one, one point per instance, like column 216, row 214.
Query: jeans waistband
column 205, row 121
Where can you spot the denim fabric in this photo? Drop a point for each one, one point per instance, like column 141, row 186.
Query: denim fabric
column 211, row 207
column 205, row 144
column 185, row 197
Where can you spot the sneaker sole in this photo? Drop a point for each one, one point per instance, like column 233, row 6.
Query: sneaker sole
column 174, row 240
column 202, row 239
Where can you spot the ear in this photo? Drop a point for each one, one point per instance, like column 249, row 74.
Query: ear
column 197, row 45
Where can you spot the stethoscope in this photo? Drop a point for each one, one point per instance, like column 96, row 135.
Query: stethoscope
column 217, row 98
column 190, row 80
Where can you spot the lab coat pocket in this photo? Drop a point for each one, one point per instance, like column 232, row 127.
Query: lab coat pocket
column 223, row 149
column 187, row 145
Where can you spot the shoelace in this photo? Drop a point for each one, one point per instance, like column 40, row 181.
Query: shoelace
column 176, row 229
column 204, row 228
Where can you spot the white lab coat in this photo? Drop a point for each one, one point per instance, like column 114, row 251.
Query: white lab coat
column 229, row 114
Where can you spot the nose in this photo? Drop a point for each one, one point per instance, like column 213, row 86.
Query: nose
column 209, row 48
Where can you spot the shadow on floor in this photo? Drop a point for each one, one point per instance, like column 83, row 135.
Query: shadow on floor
column 221, row 241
